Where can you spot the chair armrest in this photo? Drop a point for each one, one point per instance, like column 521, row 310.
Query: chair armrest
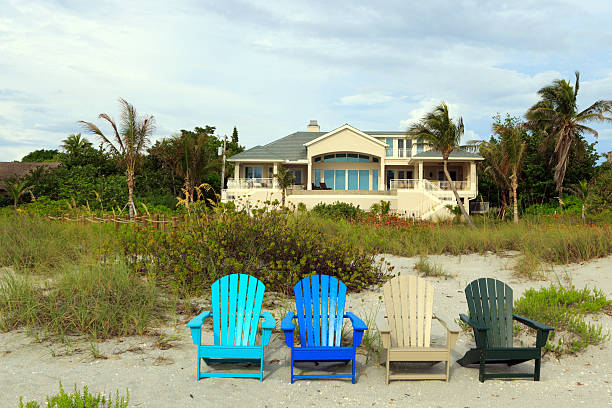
column 532, row 323
column 449, row 325
column 385, row 333
column 473, row 324
column 267, row 326
column 195, row 325
column 452, row 330
column 288, row 327
column 358, row 328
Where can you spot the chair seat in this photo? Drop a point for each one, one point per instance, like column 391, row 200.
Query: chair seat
column 210, row 351
column 419, row 354
column 323, row 353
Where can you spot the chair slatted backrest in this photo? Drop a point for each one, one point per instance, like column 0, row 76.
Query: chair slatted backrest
column 319, row 302
column 236, row 306
column 490, row 304
column 409, row 305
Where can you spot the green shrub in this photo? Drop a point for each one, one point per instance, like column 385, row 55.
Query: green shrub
column 565, row 310
column 78, row 400
column 337, row 210
column 274, row 246
column 98, row 301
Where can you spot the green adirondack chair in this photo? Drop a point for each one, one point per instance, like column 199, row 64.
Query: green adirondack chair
column 490, row 305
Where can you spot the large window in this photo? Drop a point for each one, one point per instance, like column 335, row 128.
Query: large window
column 297, row 174
column 317, row 180
column 420, row 145
column 389, row 142
column 364, row 179
column 400, row 147
column 329, row 178
column 353, row 179
column 252, row 172
column 340, row 180
column 408, row 147
column 374, row 179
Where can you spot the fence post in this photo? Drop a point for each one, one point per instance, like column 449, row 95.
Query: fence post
column 157, row 221
column 174, row 223
column 145, row 221
column 163, row 223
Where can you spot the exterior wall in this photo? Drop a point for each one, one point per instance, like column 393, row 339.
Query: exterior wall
column 345, row 141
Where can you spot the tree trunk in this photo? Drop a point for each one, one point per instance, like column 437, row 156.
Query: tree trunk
column 283, row 197
column 582, row 214
column 130, row 182
column 459, row 201
column 515, row 204
column 504, row 204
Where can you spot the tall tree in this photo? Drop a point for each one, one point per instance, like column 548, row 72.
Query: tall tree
column 41, row 155
column 128, row 142
column 439, row 130
column 558, row 116
column 235, row 135
column 497, row 168
column 513, row 153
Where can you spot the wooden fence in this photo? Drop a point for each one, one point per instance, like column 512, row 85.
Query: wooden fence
column 158, row 222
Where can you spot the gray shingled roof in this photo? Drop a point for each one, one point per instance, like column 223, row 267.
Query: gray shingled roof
column 456, row 154
column 288, row 148
column 292, row 148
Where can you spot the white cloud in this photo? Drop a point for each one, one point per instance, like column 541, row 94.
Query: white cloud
column 368, row 99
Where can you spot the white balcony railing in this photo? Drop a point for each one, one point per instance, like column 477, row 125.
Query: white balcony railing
column 425, row 184
column 248, row 183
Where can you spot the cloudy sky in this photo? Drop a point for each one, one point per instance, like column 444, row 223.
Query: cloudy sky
column 268, row 67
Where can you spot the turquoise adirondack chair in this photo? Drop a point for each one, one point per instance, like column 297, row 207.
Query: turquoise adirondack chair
column 236, row 310
column 319, row 301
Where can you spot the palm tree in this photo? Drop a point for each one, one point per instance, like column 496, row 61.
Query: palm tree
column 512, row 153
column 557, row 114
column 74, row 144
column 497, row 168
column 129, row 141
column 444, row 135
column 284, row 179
column 16, row 188
column 192, row 162
column 583, row 191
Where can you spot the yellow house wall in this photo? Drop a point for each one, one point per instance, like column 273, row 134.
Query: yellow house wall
column 346, row 141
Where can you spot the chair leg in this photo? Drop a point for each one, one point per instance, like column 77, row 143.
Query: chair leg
column 448, row 369
column 292, row 367
column 354, row 369
column 481, row 368
column 536, row 372
column 388, row 363
column 261, row 370
column 198, row 369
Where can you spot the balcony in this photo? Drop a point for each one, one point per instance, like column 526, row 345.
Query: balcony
column 424, row 184
column 249, row 183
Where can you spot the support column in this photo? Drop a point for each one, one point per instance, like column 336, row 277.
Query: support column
column 466, row 204
column 309, row 185
column 473, row 177
column 420, row 174
column 236, row 172
column 382, row 178
column 275, row 172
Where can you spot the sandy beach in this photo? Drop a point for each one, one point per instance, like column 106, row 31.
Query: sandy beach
column 158, row 377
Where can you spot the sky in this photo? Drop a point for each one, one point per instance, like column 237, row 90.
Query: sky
column 268, row 67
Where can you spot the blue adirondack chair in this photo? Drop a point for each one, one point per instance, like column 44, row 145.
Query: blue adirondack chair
column 319, row 301
column 236, row 310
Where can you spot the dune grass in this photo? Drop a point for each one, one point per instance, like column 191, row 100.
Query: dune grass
column 98, row 301
column 539, row 242
column 566, row 310
column 80, row 400
column 427, row 268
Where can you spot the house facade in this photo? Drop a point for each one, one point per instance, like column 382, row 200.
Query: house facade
column 354, row 166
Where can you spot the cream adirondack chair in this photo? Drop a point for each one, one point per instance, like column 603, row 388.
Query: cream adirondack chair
column 409, row 305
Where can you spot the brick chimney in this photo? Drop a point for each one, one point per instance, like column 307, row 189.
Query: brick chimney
column 313, row 126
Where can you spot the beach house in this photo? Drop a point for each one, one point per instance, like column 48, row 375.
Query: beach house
column 354, row 166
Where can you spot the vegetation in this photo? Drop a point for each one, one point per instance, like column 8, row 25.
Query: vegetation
column 276, row 248
column 337, row 210
column 429, row 269
column 16, row 188
column 444, row 135
column 284, row 180
column 566, row 309
column 130, row 140
column 558, row 117
column 78, row 400
column 98, row 301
